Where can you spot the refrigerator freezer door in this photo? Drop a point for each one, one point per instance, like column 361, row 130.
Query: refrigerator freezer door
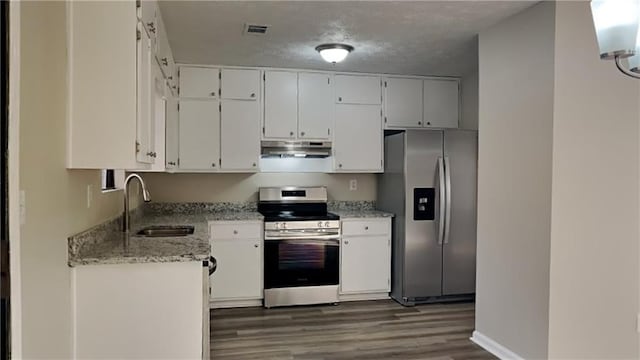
column 459, row 252
column 422, row 253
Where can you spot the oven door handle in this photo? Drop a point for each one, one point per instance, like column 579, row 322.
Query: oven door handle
column 300, row 235
column 315, row 241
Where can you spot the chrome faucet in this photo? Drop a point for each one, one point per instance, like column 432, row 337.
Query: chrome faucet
column 126, row 225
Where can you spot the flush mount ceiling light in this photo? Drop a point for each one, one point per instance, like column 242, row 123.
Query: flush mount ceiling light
column 334, row 53
column 617, row 24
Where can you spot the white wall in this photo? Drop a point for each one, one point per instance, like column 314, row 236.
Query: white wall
column 244, row 187
column 55, row 197
column 594, row 233
column 514, row 180
column 469, row 84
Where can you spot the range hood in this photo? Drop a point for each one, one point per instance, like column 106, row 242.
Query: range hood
column 295, row 149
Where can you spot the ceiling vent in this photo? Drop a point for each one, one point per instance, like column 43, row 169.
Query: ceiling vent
column 253, row 29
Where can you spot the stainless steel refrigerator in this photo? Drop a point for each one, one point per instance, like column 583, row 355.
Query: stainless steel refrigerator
column 429, row 183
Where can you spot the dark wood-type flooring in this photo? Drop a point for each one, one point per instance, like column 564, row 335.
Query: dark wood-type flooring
column 352, row 330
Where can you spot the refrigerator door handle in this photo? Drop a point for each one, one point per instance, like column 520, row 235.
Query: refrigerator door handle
column 442, row 202
column 447, row 218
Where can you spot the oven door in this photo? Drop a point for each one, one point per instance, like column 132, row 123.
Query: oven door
column 302, row 261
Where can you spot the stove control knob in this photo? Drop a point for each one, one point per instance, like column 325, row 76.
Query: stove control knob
column 320, row 224
column 326, row 224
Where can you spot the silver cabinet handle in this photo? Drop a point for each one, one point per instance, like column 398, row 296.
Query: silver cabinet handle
column 428, row 122
column 366, row 228
column 213, row 93
column 442, row 195
column 291, row 133
column 447, row 219
column 213, row 164
column 346, row 242
column 171, row 163
column 256, row 246
column 302, row 133
column 253, row 95
column 340, row 98
column 419, row 122
column 339, row 165
column 235, row 232
column 165, row 62
column 152, row 27
column 254, row 164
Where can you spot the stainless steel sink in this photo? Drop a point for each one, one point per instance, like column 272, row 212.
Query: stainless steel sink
column 166, row 231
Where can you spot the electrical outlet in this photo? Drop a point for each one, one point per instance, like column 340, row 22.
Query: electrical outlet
column 23, row 207
column 89, row 195
column 353, row 184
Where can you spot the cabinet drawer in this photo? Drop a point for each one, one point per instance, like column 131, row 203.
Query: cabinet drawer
column 365, row 227
column 235, row 231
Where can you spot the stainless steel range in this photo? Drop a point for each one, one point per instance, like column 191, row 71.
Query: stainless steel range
column 302, row 246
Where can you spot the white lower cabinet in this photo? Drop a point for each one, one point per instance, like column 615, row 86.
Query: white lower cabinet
column 237, row 247
column 138, row 311
column 365, row 259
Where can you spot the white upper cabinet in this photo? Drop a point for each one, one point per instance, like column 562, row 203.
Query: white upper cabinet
column 199, row 139
column 358, row 138
column 163, row 52
column 280, row 104
column 146, row 100
column 357, row 89
column 148, row 14
column 199, row 82
column 240, row 84
column 315, row 106
column 171, row 132
column 103, row 108
column 441, row 109
column 403, row 102
column 240, row 135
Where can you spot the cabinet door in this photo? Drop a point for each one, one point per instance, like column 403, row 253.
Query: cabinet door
column 146, row 100
column 199, row 140
column 199, row 82
column 403, row 102
column 358, row 138
column 148, row 17
column 240, row 84
column 441, row 103
column 316, row 106
column 354, row 89
column 280, row 104
column 171, row 132
column 163, row 50
column 365, row 264
column 239, row 271
column 240, row 140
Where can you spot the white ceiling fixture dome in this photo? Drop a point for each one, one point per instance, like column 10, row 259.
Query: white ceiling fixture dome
column 334, row 53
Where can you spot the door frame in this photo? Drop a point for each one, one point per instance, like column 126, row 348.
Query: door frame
column 14, row 180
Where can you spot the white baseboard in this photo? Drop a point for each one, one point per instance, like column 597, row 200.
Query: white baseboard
column 363, row 297
column 224, row 304
column 493, row 347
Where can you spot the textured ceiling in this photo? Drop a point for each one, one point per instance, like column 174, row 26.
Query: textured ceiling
column 396, row 37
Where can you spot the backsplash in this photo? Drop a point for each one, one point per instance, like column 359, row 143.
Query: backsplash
column 238, row 188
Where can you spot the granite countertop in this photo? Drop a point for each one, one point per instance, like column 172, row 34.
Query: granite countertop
column 107, row 244
column 364, row 213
